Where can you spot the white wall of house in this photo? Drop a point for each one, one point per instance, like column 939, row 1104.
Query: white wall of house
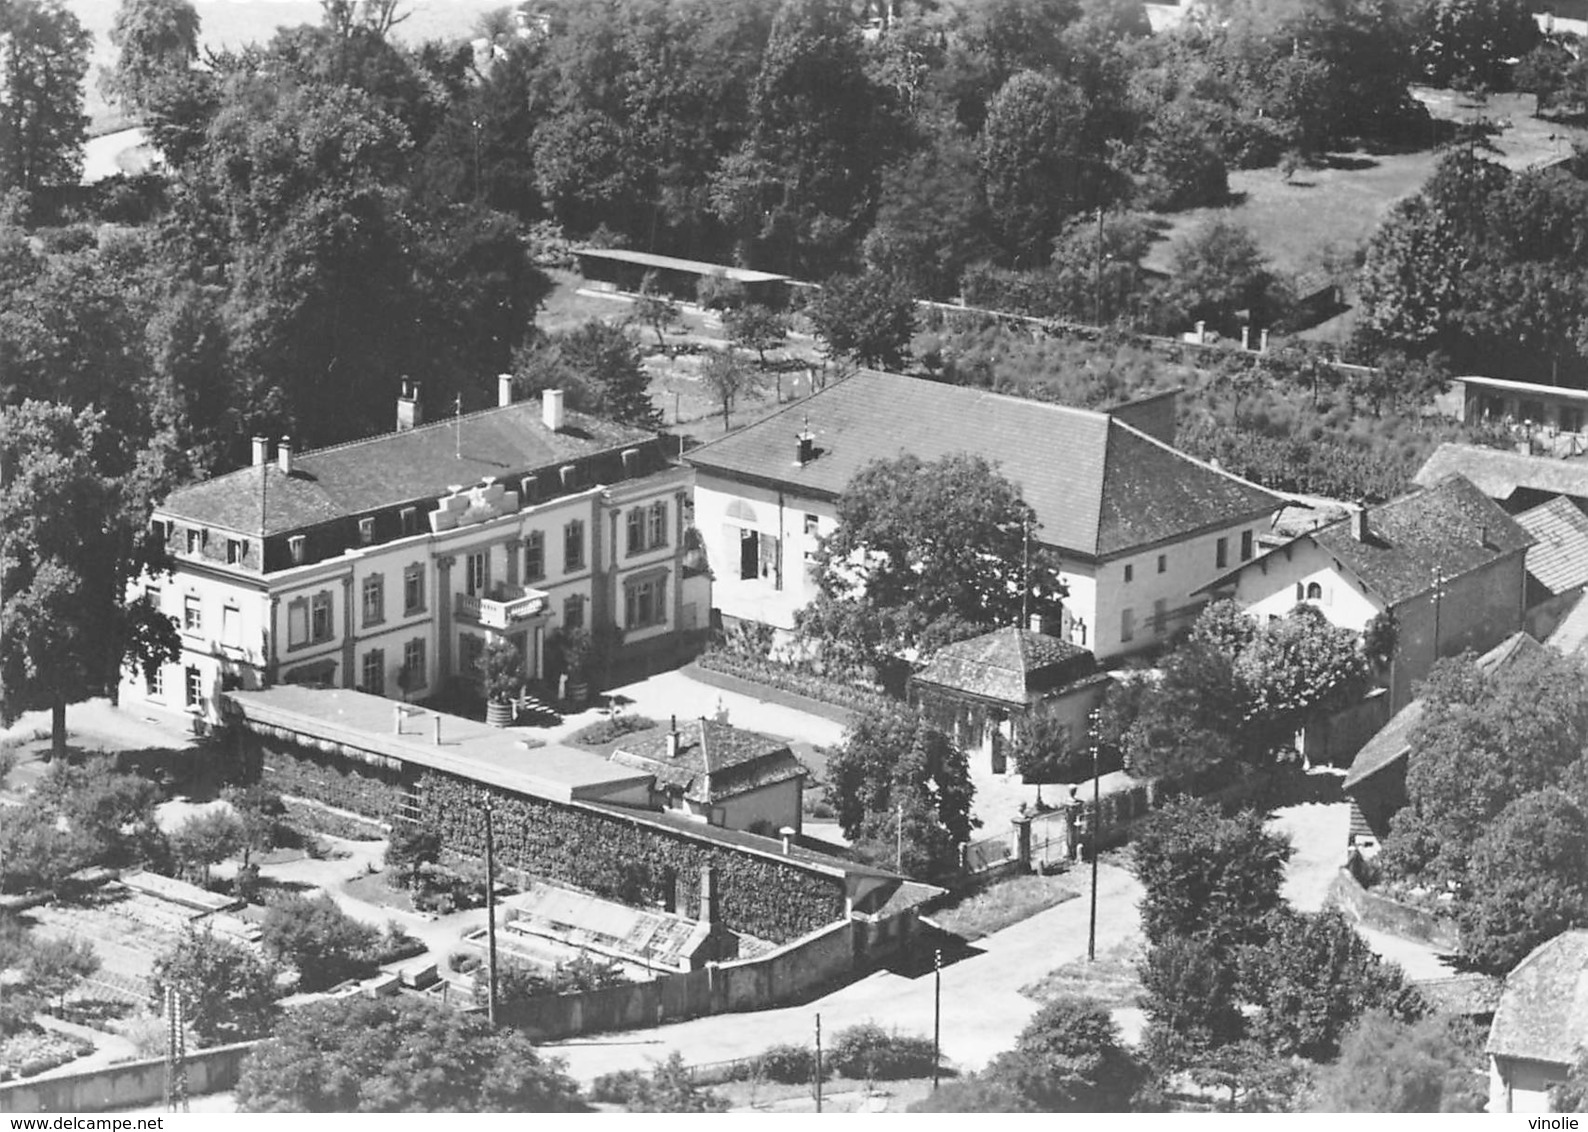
column 777, row 804
column 1270, row 588
column 1519, row 1085
column 763, row 533
column 1142, row 612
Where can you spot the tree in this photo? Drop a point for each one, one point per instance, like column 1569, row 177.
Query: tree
column 1298, row 667
column 111, row 812
column 158, row 45
column 1484, row 742
column 1044, row 752
column 411, row 846
column 1527, row 882
column 867, row 317
column 973, row 1093
column 672, row 1088
column 655, row 310
column 600, row 367
column 229, row 992
column 56, row 965
column 259, row 811
column 726, row 377
column 1069, row 1059
column 1469, row 43
column 1259, row 1080
column 1220, row 270
column 757, row 327
column 1571, row 1095
column 896, row 780
column 59, row 535
column 324, row 943
column 204, row 839
column 1390, row 1066
column 1313, row 979
column 399, row 1055
column 924, row 554
column 501, row 670
column 1191, row 1001
column 1208, row 876
column 1190, row 717
column 43, row 58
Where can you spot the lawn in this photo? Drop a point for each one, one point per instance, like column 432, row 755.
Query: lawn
column 1004, row 903
column 1112, row 978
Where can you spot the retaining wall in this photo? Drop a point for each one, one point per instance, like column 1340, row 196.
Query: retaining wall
column 129, row 1085
column 1387, row 915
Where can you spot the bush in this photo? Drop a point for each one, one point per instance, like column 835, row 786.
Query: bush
column 790, row 1064
column 463, row 962
column 869, row 1053
column 324, row 943
column 809, row 684
column 606, row 730
column 396, row 943
column 623, row 1087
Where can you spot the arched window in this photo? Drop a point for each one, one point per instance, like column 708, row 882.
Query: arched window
column 1314, row 591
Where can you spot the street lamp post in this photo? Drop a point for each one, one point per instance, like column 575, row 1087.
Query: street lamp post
column 1096, row 830
column 937, row 1014
column 490, row 909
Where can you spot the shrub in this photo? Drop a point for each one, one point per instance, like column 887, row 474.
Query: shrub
column 868, row 1052
column 623, row 1087
column 790, row 1064
column 324, row 943
column 463, row 962
column 606, row 730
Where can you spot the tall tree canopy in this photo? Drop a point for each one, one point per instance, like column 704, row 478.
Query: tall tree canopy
column 157, row 41
column 926, row 553
column 43, row 58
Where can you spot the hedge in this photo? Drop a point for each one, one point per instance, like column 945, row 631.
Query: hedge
column 623, row 859
column 335, row 780
column 809, row 684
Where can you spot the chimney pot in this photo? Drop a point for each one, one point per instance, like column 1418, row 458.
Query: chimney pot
column 437, row 719
column 1359, row 524
column 787, row 834
column 552, row 412
column 284, row 454
column 410, row 414
column 504, row 389
column 397, row 719
column 261, row 451
column 1038, row 623
column 805, row 447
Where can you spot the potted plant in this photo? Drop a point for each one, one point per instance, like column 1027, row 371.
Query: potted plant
column 502, row 675
column 577, row 647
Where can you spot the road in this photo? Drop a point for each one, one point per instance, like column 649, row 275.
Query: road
column 983, row 1009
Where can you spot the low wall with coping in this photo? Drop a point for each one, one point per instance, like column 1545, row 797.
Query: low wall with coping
column 129, row 1085
column 1386, row 915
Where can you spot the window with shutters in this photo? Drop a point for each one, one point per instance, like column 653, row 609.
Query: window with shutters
column 1127, row 624
column 474, row 574
column 232, row 627
column 193, row 688
column 658, row 524
column 644, row 603
column 573, row 613
column 636, row 530
column 416, row 674
column 192, row 614
column 1246, row 545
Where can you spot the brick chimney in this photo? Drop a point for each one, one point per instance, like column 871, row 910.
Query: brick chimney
column 284, row 455
column 552, row 414
column 410, row 414
column 504, row 390
column 261, row 451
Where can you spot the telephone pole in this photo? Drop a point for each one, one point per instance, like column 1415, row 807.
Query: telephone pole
column 937, row 1014
column 1096, row 831
column 818, row 1063
column 490, row 909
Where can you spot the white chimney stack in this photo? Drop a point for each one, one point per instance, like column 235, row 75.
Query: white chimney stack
column 261, row 451
column 284, row 455
column 672, row 740
column 504, row 390
column 551, row 409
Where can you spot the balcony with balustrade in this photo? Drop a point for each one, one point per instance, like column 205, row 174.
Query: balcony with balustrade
column 503, row 608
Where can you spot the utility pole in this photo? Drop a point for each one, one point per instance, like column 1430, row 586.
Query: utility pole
column 898, row 840
column 818, row 1063
column 1096, row 831
column 937, row 1014
column 175, row 1052
column 490, row 908
column 1097, row 274
column 457, row 427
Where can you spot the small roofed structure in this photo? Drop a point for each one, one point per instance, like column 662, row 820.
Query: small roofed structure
column 1515, row 481
column 1540, row 1026
column 721, row 774
column 1556, row 563
column 625, row 270
column 1376, row 782
column 979, row 689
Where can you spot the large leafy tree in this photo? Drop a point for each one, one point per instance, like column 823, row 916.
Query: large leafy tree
column 43, row 58
column 1069, row 1058
column 1469, row 43
column 1388, row 1065
column 599, row 366
column 157, row 41
column 1527, row 882
column 399, row 1055
column 229, row 992
column 868, row 318
column 67, row 626
column 925, row 553
column 324, row 943
column 903, row 792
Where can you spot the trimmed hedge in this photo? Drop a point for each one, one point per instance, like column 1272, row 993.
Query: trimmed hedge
column 808, row 684
column 345, row 783
column 624, row 860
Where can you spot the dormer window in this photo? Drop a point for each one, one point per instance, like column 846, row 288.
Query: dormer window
column 529, row 490
column 631, row 461
column 236, row 551
column 366, row 530
column 410, row 520
column 195, row 541
column 570, row 476
column 295, row 547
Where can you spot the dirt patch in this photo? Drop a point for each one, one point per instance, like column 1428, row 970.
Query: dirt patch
column 372, row 888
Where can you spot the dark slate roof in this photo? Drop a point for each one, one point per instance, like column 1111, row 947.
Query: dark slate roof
column 1099, row 487
column 737, row 760
column 1449, row 528
column 1543, row 1010
column 1013, row 665
column 1558, row 559
column 398, row 467
column 1499, row 474
column 1393, row 741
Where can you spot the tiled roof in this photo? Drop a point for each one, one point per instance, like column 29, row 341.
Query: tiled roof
column 1098, row 486
column 737, row 760
column 1014, row 665
column 1543, row 1010
column 1571, row 635
column 397, row 467
column 1559, row 557
column 1499, row 474
column 1448, row 529
column 1393, row 741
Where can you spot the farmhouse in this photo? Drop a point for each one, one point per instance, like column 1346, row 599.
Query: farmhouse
column 388, row 564
column 1444, row 563
column 1540, row 1027
column 1137, row 524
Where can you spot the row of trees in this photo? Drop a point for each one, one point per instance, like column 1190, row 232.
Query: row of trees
column 1497, row 788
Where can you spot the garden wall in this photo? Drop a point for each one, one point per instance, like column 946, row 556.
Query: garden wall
column 287, row 767
column 788, row 974
column 628, row 859
column 128, row 1085
column 1387, row 915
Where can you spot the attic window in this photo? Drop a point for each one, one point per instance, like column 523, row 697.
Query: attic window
column 295, row 546
column 570, row 476
column 631, row 461
column 236, row 551
column 195, row 541
column 366, row 530
column 410, row 520
column 529, row 490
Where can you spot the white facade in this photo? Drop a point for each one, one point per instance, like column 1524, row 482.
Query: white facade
column 1519, row 1085
column 761, row 542
column 417, row 609
column 1302, row 571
